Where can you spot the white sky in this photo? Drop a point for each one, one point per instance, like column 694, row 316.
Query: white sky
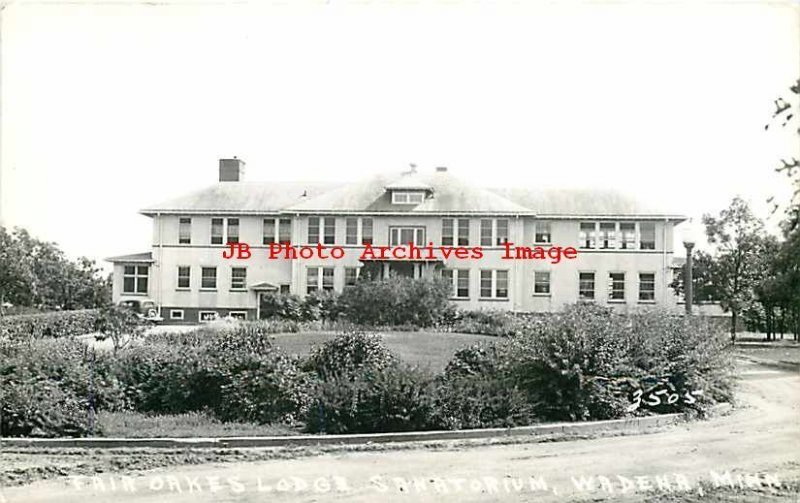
column 107, row 108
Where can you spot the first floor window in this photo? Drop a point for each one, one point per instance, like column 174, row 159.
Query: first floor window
column 134, row 279
column 285, row 288
column 185, row 231
column 459, row 279
column 494, row 284
column 350, row 275
column 647, row 286
column 238, row 278
column 616, row 286
column 209, row 278
column 586, row 286
column 541, row 282
column 647, row 236
column 319, row 278
column 184, row 276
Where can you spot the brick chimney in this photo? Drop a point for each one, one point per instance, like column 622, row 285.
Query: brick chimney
column 231, row 170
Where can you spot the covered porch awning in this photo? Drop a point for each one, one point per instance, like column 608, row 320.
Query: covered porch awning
column 263, row 286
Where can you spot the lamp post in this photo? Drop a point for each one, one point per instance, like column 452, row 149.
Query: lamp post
column 688, row 283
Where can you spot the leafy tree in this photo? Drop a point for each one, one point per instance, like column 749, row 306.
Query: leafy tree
column 119, row 324
column 738, row 237
column 705, row 290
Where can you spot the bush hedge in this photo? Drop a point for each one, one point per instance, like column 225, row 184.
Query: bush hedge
column 53, row 324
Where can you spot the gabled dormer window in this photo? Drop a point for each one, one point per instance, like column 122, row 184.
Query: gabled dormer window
column 407, row 197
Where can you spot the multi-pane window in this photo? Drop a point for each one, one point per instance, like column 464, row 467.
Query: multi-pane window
column 313, row 230
column 455, row 231
column 216, row 231
column 330, row 231
column 319, row 278
column 586, row 286
column 400, row 236
column 351, row 231
column 542, row 234
column 184, row 276
column 208, row 278
column 407, row 197
column 366, row 231
column 494, row 232
column 269, row 231
column 350, row 275
column 134, row 279
column 233, row 230
column 608, row 235
column 616, row 286
column 494, row 284
column 185, row 231
column 627, row 231
column 587, row 236
column 541, row 282
column 647, row 236
column 459, row 278
column 647, row 286
column 285, row 230
column 238, row 278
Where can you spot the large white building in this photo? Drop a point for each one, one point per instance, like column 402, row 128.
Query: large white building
column 624, row 254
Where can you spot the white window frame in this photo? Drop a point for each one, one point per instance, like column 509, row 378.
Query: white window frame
column 242, row 288
column 242, row 313
column 408, row 197
column 594, row 286
column 494, row 274
column 357, row 270
column 639, row 235
column 178, row 283
column 136, row 277
column 639, row 277
column 320, row 279
column 216, row 278
column 611, row 290
column 536, row 275
column 173, row 312
column 181, row 228
column 419, row 230
column 537, row 230
column 455, row 276
column 201, row 313
column 495, row 240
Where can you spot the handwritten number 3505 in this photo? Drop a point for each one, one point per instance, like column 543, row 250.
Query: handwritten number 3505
column 654, row 398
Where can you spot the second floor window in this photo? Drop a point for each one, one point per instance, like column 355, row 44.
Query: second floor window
column 494, row 232
column 542, row 234
column 586, row 286
column 400, row 236
column 238, row 278
column 208, row 278
column 587, row 235
column 455, row 231
column 134, row 279
column 366, row 231
column 185, row 231
column 627, row 235
column 326, row 225
column 184, row 277
column 351, row 231
column 608, row 235
column 541, row 282
column 283, row 226
column 647, row 236
column 233, row 230
column 216, row 231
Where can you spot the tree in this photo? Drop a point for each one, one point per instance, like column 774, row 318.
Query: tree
column 738, row 238
column 702, row 280
column 119, row 324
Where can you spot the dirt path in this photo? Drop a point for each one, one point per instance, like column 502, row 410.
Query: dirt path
column 757, row 445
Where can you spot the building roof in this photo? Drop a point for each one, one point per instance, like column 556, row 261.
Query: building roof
column 241, row 197
column 447, row 194
column 144, row 258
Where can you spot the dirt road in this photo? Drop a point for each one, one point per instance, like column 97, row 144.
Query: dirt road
column 758, row 445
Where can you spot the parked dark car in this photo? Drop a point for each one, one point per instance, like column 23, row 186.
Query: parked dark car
column 144, row 308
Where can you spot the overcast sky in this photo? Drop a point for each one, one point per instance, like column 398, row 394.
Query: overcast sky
column 108, row 108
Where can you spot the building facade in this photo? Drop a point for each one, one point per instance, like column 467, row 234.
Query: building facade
column 624, row 250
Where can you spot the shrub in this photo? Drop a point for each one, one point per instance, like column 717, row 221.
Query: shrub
column 498, row 323
column 392, row 398
column 119, row 324
column 52, row 324
column 397, row 301
column 475, row 391
column 282, row 306
column 49, row 387
column 349, row 353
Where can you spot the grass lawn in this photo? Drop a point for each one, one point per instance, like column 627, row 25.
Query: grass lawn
column 427, row 349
